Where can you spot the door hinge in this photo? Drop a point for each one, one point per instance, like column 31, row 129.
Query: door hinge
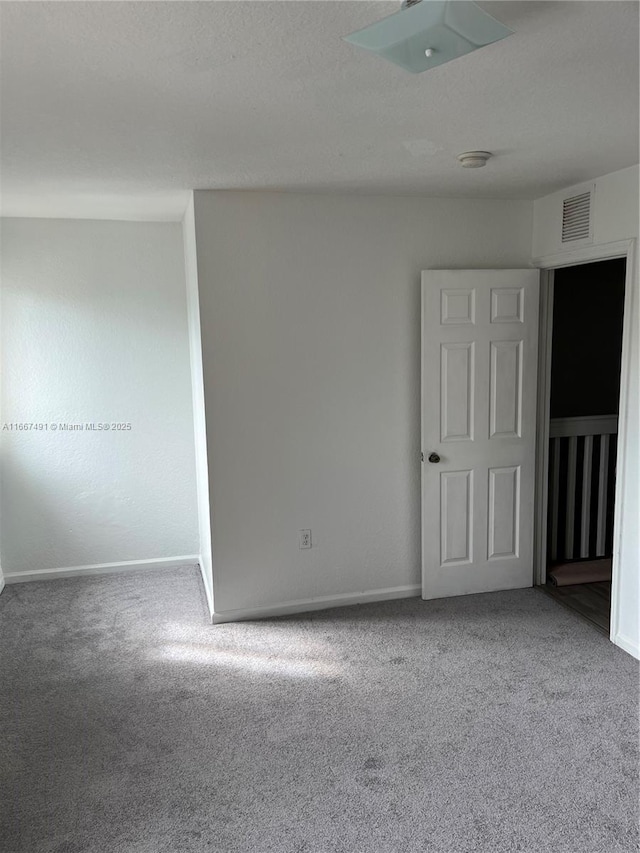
column 422, row 457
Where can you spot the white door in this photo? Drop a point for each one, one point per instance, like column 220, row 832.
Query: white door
column 479, row 385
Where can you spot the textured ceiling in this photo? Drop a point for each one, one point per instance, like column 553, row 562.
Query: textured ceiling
column 112, row 99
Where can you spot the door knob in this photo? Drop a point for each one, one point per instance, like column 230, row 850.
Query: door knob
column 433, row 457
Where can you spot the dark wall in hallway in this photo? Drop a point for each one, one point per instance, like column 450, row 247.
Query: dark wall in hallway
column 587, row 339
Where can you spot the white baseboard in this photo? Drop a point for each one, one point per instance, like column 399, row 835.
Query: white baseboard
column 627, row 645
column 321, row 603
column 100, row 569
column 2, row 583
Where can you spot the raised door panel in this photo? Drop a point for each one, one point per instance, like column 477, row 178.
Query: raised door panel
column 457, row 381
column 506, row 389
column 457, row 307
column 507, row 305
column 456, row 517
column 504, row 512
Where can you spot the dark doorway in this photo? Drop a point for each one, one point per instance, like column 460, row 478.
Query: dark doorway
column 588, row 311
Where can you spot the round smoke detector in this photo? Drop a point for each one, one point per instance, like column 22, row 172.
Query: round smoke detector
column 474, row 159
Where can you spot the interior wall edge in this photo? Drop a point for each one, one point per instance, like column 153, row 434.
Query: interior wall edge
column 198, row 401
column 205, row 572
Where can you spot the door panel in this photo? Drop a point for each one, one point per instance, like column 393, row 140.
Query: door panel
column 479, row 363
column 456, row 521
column 456, row 391
column 457, row 307
column 506, row 389
column 507, row 304
column 504, row 512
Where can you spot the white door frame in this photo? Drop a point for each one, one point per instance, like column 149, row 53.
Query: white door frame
column 589, row 254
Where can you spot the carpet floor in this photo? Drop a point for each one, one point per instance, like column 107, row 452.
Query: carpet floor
column 128, row 724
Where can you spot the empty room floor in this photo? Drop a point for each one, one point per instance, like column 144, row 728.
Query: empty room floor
column 128, row 724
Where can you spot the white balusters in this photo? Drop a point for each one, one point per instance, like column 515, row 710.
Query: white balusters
column 585, row 515
column 603, row 476
column 571, row 498
column 555, row 496
column 566, row 459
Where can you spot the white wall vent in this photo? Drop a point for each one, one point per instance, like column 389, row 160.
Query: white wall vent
column 576, row 217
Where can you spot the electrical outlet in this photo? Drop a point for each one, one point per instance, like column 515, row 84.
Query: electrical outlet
column 304, row 539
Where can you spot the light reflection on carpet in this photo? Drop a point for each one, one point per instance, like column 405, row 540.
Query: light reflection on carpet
column 270, row 664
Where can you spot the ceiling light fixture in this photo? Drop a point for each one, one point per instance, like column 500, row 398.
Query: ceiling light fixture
column 427, row 33
column 474, row 159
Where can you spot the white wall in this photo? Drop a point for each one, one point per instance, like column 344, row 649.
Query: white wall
column 310, row 312
column 2, row 581
column 615, row 218
column 615, row 212
column 197, row 395
column 95, row 330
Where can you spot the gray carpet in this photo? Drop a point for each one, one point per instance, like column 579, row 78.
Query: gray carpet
column 128, row 724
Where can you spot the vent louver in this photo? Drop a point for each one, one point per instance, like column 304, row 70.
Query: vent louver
column 576, row 217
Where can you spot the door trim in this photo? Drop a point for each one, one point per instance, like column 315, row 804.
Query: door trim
column 542, row 427
column 604, row 252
